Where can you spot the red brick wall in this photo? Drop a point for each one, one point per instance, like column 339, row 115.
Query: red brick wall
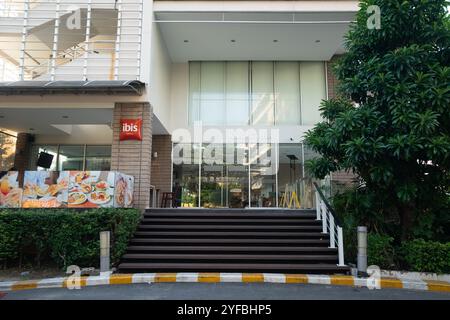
column 162, row 164
column 131, row 156
column 331, row 79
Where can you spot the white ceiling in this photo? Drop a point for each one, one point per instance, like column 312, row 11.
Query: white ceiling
column 52, row 121
column 209, row 35
column 43, row 120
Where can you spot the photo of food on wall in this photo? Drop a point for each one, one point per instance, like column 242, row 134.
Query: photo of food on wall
column 45, row 189
column 91, row 189
column 123, row 193
column 10, row 193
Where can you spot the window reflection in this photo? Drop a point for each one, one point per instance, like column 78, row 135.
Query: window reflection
column 74, row 157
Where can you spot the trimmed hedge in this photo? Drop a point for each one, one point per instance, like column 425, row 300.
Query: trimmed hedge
column 63, row 236
column 380, row 251
column 426, row 256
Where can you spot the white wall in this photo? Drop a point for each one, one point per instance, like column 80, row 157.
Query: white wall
column 160, row 73
column 179, row 95
column 79, row 134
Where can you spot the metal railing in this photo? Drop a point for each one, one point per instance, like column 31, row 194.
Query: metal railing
column 104, row 36
column 330, row 223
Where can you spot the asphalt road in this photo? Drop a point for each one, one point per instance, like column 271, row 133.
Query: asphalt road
column 223, row 291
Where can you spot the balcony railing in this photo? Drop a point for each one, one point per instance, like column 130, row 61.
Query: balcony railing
column 71, row 39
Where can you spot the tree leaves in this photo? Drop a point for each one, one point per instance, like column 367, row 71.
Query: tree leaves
column 391, row 123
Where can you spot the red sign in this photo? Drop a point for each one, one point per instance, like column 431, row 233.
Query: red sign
column 130, row 129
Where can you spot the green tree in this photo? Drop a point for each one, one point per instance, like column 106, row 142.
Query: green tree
column 391, row 122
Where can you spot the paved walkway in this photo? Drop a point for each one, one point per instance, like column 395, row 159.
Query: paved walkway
column 223, row 291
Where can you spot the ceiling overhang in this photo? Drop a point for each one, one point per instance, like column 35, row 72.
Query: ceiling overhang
column 308, row 36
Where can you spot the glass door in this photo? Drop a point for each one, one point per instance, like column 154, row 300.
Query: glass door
column 237, row 173
column 263, row 175
column 212, row 176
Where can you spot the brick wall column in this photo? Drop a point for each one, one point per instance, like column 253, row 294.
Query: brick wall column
column 162, row 164
column 133, row 157
column 331, row 79
column 23, row 151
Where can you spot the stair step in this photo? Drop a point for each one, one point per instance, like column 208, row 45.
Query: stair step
column 216, row 257
column 225, row 227
column 218, row 215
column 311, row 250
column 235, row 241
column 239, row 211
column 230, row 221
column 230, row 267
column 230, row 240
column 221, row 234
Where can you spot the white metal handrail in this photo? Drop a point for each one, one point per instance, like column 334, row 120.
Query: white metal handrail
column 329, row 224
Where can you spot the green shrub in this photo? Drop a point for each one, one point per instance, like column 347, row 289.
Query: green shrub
column 426, row 256
column 380, row 250
column 63, row 236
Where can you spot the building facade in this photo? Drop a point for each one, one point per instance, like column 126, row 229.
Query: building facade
column 225, row 90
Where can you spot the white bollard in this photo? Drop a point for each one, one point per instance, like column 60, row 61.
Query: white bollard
column 362, row 249
column 105, row 251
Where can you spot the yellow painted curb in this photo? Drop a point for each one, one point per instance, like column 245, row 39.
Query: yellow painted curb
column 296, row 278
column 74, row 282
column 252, row 277
column 440, row 286
column 166, row 277
column 209, row 277
column 391, row 283
column 24, row 285
column 216, row 277
column 342, row 280
column 121, row 279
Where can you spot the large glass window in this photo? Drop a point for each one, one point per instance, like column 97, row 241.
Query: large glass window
column 242, row 175
column 74, row 157
column 98, row 158
column 258, row 92
column 70, row 158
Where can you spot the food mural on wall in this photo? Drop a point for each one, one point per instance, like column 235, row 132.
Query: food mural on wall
column 91, row 189
column 72, row 189
column 45, row 189
column 123, row 193
column 10, row 193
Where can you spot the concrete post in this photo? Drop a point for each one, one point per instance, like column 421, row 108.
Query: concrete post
column 104, row 251
column 362, row 249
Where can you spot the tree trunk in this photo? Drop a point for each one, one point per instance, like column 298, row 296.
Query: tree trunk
column 406, row 213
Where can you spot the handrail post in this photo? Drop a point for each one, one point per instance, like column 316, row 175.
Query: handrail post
column 317, row 206
column 340, row 246
column 324, row 217
column 332, row 232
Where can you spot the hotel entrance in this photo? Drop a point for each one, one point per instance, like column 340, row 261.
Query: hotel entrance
column 242, row 175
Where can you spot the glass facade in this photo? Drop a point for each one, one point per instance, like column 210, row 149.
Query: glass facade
column 256, row 92
column 74, row 157
column 241, row 175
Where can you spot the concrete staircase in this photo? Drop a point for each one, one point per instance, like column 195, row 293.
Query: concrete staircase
column 230, row 240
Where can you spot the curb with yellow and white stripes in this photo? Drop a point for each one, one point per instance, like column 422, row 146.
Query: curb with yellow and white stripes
column 206, row 277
